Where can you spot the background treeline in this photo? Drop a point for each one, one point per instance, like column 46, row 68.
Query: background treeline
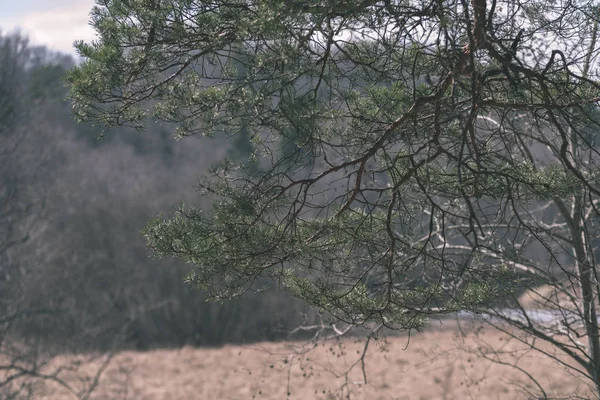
column 74, row 269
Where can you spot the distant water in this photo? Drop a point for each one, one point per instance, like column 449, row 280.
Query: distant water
column 540, row 316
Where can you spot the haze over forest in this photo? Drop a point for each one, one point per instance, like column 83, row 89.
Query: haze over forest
column 77, row 198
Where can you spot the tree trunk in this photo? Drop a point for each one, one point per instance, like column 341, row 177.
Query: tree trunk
column 586, row 277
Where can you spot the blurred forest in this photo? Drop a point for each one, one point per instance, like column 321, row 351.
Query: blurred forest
column 75, row 273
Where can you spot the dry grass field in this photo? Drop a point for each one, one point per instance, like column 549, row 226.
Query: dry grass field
column 440, row 363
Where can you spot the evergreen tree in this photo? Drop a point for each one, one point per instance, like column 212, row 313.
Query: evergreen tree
column 420, row 141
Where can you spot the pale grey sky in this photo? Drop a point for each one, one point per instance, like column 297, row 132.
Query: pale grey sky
column 54, row 23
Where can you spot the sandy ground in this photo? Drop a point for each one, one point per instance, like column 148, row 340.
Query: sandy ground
column 436, row 364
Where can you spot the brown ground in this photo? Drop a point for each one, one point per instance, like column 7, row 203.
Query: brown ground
column 437, row 364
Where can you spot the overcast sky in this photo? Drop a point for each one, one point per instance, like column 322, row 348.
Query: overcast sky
column 54, row 23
